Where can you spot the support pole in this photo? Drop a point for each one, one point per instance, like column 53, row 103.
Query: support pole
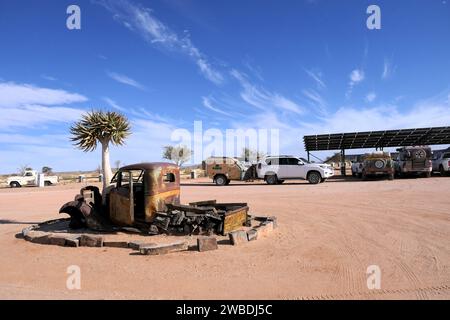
column 308, row 156
column 343, row 162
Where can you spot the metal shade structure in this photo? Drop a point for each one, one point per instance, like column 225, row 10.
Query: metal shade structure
column 378, row 139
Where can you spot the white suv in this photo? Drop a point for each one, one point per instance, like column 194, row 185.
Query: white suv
column 276, row 169
column 441, row 163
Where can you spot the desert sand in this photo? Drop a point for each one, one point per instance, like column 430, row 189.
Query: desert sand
column 327, row 236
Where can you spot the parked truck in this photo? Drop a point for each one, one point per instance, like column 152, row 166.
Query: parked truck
column 30, row 178
column 377, row 163
column 441, row 162
column 414, row 160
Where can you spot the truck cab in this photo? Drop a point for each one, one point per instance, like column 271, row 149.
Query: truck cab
column 139, row 191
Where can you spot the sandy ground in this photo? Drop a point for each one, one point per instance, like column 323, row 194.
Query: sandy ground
column 327, row 237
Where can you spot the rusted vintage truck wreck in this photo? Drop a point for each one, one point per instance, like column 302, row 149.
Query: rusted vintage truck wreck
column 146, row 196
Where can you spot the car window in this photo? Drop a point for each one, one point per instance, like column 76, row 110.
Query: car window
column 446, row 155
column 272, row 161
column 293, row 161
column 28, row 174
column 284, row 161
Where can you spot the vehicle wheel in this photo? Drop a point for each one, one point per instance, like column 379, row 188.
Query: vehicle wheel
column 391, row 176
column 15, row 184
column 272, row 179
column 220, row 180
column 280, row 181
column 47, row 183
column 314, row 177
column 427, row 174
column 442, row 171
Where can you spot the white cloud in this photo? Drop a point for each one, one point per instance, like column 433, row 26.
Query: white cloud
column 317, row 77
column 387, row 70
column 47, row 77
column 121, row 78
column 207, row 103
column 142, row 21
column 262, row 98
column 316, row 100
column 15, row 95
column 113, row 104
column 356, row 76
column 371, row 96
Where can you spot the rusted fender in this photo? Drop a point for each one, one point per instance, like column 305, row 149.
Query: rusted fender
column 82, row 215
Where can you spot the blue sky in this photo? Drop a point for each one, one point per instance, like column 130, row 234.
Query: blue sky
column 303, row 67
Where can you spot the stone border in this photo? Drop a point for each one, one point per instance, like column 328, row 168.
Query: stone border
column 265, row 227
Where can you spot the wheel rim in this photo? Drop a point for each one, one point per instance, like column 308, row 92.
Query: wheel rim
column 314, row 178
column 271, row 179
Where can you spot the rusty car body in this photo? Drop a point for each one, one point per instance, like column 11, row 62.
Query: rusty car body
column 147, row 196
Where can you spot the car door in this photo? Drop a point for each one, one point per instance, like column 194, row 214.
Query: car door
column 291, row 168
column 121, row 202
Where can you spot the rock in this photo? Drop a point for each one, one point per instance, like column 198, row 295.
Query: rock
column 252, row 234
column 157, row 249
column 26, row 233
column 134, row 245
column 73, row 242
column 116, row 244
column 273, row 219
column 57, row 240
column 91, row 241
column 207, row 244
column 238, row 237
column 39, row 237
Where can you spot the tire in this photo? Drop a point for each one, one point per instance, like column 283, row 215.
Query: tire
column 314, row 177
column 427, row 175
column 47, row 183
column 272, row 179
column 14, row 184
column 280, row 181
column 391, row 176
column 442, row 171
column 220, row 180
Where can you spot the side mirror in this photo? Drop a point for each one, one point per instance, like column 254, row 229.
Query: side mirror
column 301, row 163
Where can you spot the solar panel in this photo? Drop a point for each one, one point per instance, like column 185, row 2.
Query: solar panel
column 378, row 139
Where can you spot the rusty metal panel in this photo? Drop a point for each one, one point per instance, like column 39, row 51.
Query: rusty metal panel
column 119, row 209
column 234, row 219
column 162, row 187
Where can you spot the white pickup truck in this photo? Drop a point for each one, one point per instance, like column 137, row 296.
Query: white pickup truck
column 30, row 178
column 276, row 169
column 441, row 162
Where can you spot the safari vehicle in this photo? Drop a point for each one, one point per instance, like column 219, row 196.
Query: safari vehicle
column 377, row 164
column 30, row 178
column 414, row 160
column 147, row 196
column 276, row 169
column 224, row 169
column 441, row 162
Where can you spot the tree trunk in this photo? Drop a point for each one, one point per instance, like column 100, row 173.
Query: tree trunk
column 106, row 166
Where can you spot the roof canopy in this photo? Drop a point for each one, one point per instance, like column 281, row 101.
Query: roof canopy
column 378, row 139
